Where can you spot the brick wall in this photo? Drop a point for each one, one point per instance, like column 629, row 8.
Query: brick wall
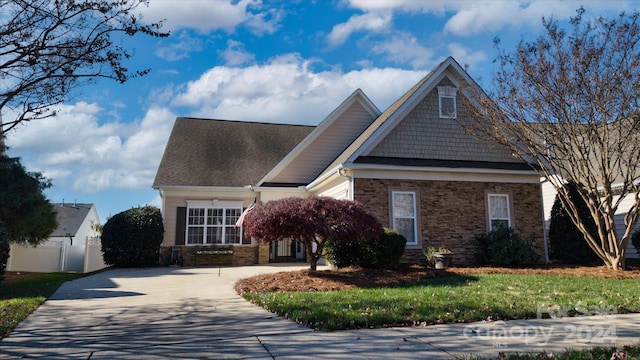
column 263, row 253
column 451, row 213
column 213, row 255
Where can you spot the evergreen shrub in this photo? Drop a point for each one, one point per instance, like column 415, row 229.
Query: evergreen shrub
column 132, row 238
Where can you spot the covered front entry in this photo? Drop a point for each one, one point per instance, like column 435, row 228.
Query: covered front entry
column 287, row 251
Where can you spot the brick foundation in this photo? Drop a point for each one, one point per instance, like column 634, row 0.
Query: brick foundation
column 263, row 253
column 451, row 213
column 212, row 255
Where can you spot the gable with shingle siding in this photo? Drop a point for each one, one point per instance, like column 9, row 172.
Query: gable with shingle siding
column 422, row 134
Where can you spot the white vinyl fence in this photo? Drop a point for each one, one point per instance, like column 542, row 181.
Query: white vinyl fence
column 57, row 255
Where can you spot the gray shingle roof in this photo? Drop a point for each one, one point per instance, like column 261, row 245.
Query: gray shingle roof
column 205, row 152
column 70, row 217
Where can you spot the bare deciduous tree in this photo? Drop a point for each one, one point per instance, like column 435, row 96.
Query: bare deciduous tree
column 48, row 48
column 568, row 103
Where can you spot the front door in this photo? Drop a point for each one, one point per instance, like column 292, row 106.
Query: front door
column 287, row 250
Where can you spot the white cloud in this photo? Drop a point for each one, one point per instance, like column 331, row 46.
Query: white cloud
column 287, row 90
column 235, row 54
column 466, row 58
column 184, row 45
column 483, row 16
column 74, row 150
column 266, row 22
column 61, row 131
column 431, row 6
column 403, row 48
column 475, row 17
column 84, row 150
column 490, row 16
column 156, row 201
column 208, row 16
column 161, row 95
column 373, row 22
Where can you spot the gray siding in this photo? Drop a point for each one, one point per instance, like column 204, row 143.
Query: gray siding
column 324, row 149
column 422, row 134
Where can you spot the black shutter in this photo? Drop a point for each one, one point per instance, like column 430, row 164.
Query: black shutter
column 181, row 224
column 245, row 239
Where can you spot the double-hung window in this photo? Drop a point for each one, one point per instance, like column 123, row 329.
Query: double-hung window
column 499, row 212
column 213, row 222
column 404, row 215
column 447, row 101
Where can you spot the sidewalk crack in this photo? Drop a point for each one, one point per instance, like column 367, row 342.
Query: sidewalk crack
column 265, row 347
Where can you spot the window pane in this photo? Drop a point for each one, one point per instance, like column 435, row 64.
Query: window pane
column 214, row 235
column 498, row 211
column 495, row 224
column 403, row 205
column 214, row 217
column 195, row 235
column 406, row 228
column 447, row 106
column 498, row 208
column 196, row 216
column 232, row 235
column 232, row 216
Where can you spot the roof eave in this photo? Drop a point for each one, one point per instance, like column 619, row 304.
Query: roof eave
column 357, row 166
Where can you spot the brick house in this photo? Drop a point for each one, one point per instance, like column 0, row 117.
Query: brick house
column 413, row 166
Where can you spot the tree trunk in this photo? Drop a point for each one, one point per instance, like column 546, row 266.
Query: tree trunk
column 313, row 257
column 615, row 262
column 2, row 148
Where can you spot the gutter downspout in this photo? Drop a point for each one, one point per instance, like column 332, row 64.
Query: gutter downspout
column 344, row 172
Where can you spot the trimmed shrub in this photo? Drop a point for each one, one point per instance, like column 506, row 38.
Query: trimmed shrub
column 132, row 238
column 566, row 242
column 342, row 254
column 383, row 252
column 504, row 247
column 4, row 250
column 635, row 240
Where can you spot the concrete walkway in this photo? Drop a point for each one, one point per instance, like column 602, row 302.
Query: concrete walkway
column 194, row 313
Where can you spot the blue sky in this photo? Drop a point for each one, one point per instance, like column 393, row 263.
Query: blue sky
column 268, row 61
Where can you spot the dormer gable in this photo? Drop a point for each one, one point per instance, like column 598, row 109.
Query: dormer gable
column 428, row 123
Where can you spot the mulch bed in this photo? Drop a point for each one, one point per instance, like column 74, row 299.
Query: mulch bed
column 329, row 280
column 15, row 276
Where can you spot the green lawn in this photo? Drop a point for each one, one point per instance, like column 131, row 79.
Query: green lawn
column 453, row 299
column 19, row 299
column 598, row 353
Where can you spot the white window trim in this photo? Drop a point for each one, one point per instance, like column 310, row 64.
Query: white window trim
column 415, row 215
column 508, row 202
column 448, row 92
column 211, row 204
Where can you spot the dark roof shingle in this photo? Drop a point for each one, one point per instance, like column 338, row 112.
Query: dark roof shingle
column 204, row 152
column 69, row 217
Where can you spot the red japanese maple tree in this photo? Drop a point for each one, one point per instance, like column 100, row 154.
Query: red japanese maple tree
column 312, row 220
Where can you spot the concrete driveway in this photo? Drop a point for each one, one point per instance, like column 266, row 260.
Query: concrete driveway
column 154, row 312
column 194, row 313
